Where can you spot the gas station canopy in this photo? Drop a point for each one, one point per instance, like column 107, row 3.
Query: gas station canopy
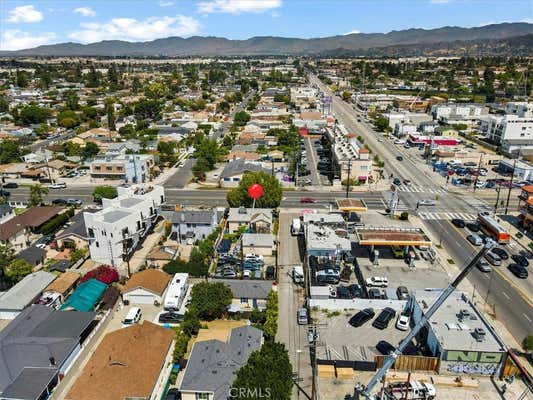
column 391, row 236
column 351, row 205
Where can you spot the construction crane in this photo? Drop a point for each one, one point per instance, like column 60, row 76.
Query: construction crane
column 389, row 361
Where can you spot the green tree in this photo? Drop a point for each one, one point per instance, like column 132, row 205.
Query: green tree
column 18, row 269
column 22, row 78
column 33, row 114
column 148, row 109
column 37, row 192
column 104, row 192
column 110, row 111
column 271, row 187
column 210, row 301
column 6, row 256
column 90, row 150
column 135, row 85
column 68, row 119
column 191, row 324
column 268, row 370
column 71, row 99
column 180, row 345
column 223, row 107
column 241, row 118
column 93, row 77
column 527, row 343
column 346, row 96
column 9, row 151
column 270, row 328
column 381, row 124
column 4, row 105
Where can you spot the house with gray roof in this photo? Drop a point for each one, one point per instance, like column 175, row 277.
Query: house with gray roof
column 242, row 216
column 76, row 232
column 37, row 347
column 213, row 364
column 194, row 224
column 33, row 255
column 258, row 243
column 234, row 170
column 247, row 294
column 24, row 293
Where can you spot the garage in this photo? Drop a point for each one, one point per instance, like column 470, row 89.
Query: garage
column 141, row 296
column 146, row 287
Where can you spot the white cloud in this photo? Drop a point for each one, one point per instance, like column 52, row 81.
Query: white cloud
column 85, row 11
column 352, row 32
column 13, row 39
column 237, row 6
column 25, row 14
column 135, row 30
column 163, row 3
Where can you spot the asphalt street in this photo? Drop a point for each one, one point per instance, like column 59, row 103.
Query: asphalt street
column 182, row 176
column 510, row 307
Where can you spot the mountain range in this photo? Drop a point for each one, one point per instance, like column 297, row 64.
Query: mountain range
column 504, row 38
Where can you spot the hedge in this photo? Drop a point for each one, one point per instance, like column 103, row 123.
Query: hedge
column 54, row 224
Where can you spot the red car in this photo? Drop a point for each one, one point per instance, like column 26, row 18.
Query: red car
column 307, row 200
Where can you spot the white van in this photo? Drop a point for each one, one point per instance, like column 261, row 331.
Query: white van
column 132, row 317
column 296, row 227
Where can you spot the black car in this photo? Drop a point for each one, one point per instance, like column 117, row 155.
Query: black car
column 11, row 185
column 343, row 292
column 361, row 317
column 383, row 319
column 270, row 272
column 397, row 181
column 402, row 293
column 473, row 226
column 501, row 252
column 520, row 260
column 4, row 193
column 399, row 158
column 458, row 222
column 385, row 347
column 375, row 293
column 170, row 318
column 173, row 394
column 355, row 291
column 518, row 271
column 59, row 202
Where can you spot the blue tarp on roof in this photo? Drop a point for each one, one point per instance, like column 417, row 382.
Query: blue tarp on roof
column 85, row 296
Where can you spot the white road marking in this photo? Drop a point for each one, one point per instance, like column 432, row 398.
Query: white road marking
column 506, row 296
column 529, row 319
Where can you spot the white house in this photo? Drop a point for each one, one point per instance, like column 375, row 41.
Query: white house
column 115, row 231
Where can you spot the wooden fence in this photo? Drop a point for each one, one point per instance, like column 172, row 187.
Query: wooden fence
column 411, row 363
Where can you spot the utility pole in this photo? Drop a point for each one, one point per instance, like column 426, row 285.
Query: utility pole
column 497, row 198
column 510, row 187
column 348, row 181
column 478, row 168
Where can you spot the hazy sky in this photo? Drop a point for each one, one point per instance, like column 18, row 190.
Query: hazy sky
column 25, row 24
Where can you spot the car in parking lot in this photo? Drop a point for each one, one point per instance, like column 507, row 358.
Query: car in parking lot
column 385, row 347
column 518, row 271
column 493, row 258
column 483, row 266
column 475, row 239
column 377, row 281
column 403, row 321
column 383, row 319
column 402, row 293
column 458, row 222
column 10, row 185
column 520, row 260
column 307, row 200
column 500, row 252
column 375, row 293
column 362, row 317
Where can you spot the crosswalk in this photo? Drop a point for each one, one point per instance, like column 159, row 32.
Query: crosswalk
column 447, row 215
column 420, row 189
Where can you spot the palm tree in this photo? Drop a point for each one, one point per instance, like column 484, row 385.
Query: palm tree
column 37, row 192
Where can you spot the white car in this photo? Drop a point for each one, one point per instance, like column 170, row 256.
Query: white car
column 380, row 140
column 61, row 185
column 403, row 322
column 399, row 141
column 252, row 256
column 377, row 281
column 426, row 202
column 480, row 184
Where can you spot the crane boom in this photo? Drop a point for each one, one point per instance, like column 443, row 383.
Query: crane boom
column 389, row 361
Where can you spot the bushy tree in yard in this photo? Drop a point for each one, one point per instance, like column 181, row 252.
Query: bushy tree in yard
column 90, row 150
column 104, row 273
column 191, row 324
column 271, row 186
column 37, row 192
column 381, row 124
column 104, row 192
column 241, row 118
column 68, row 119
column 33, row 114
column 18, row 269
column 268, row 371
column 527, row 343
column 180, row 345
column 270, row 326
column 148, row 109
column 210, row 300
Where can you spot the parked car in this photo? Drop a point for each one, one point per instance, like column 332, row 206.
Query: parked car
column 385, row 347
column 377, row 281
column 11, row 185
column 4, row 193
column 501, row 252
column 475, row 240
column 483, row 266
column 403, row 321
column 173, row 394
column 383, row 319
column 493, row 259
column 458, row 222
column 402, row 293
column 520, row 260
column 302, row 316
column 473, row 226
column 60, row 185
column 362, row 317
column 307, row 200
column 74, row 202
column 170, row 318
column 375, row 293
column 59, row 202
column 518, row 271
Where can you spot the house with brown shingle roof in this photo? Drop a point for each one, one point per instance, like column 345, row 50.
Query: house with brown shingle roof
column 15, row 231
column 146, row 287
column 129, row 363
column 64, row 284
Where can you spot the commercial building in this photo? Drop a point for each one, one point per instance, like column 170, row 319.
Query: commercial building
column 460, row 336
column 116, row 230
column 37, row 348
column 521, row 170
column 450, row 113
column 24, row 293
column 131, row 168
column 512, row 132
column 132, row 362
column 213, row 363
